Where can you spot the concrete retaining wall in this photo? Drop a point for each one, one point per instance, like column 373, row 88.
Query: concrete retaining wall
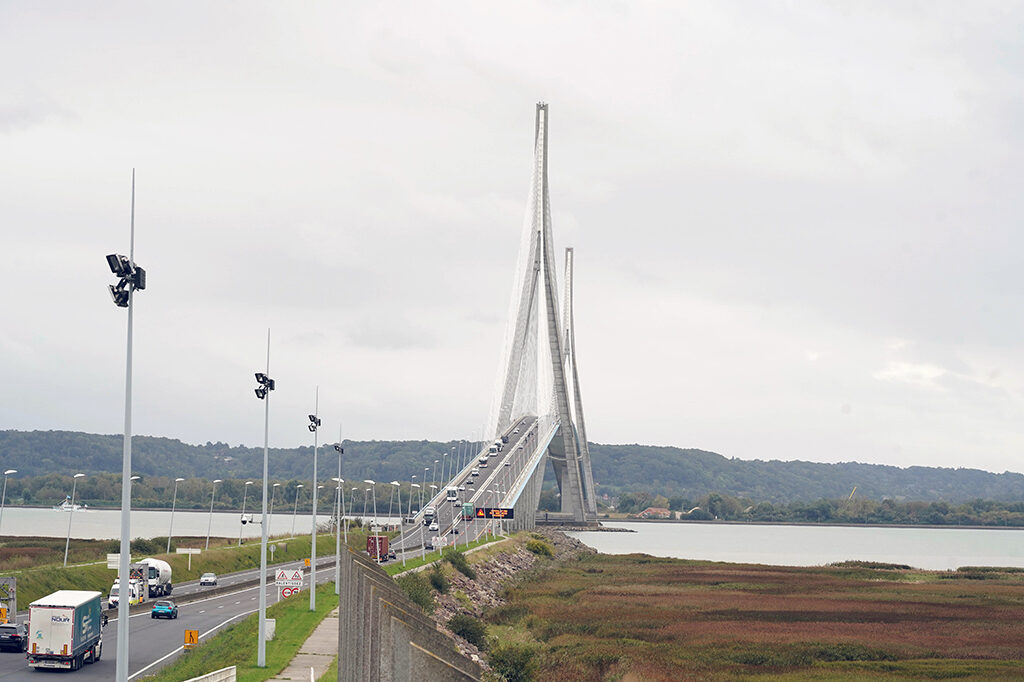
column 222, row 675
column 382, row 636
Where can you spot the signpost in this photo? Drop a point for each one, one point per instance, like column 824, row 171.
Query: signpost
column 114, row 560
column 494, row 513
column 182, row 550
column 191, row 639
column 8, row 597
column 288, row 582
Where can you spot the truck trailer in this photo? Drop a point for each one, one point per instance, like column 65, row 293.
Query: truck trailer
column 64, row 630
column 159, row 577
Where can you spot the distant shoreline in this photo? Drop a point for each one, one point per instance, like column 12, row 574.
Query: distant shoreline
column 806, row 523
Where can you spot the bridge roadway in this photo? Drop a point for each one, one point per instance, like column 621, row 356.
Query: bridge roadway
column 157, row 642
column 500, row 473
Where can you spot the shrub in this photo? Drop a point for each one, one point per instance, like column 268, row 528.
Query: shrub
column 418, row 590
column 146, row 546
column 514, row 661
column 459, row 561
column 469, row 629
column 540, row 548
column 437, row 579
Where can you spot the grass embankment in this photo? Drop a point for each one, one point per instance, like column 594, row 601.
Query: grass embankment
column 224, row 556
column 236, row 645
column 641, row 618
column 396, row 567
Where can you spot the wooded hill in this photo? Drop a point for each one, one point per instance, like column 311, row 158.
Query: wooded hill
column 668, row 471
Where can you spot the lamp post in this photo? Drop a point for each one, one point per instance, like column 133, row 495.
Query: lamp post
column 266, row 385
column 270, row 514
column 433, row 471
column 314, row 422
column 213, row 493
column 444, row 460
column 404, row 548
column 374, row 489
column 296, row 508
column 174, row 502
column 131, row 278
column 242, row 524
column 3, row 497
column 338, row 492
column 424, row 488
column 394, row 484
column 71, row 512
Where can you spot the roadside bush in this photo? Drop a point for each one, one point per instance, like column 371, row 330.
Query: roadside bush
column 469, row 629
column 438, row 580
column 147, row 546
column 540, row 548
column 514, row 661
column 459, row 561
column 418, row 590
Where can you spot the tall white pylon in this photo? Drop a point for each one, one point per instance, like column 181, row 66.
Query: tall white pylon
column 540, row 348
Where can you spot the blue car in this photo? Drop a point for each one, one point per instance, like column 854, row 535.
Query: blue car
column 164, row 608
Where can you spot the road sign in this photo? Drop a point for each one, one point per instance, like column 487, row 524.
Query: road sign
column 3, row 614
column 191, row 638
column 286, row 592
column 8, row 595
column 306, row 560
column 494, row 513
column 289, row 576
column 190, row 551
column 114, row 561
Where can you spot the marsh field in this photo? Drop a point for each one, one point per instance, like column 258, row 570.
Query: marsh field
column 635, row 617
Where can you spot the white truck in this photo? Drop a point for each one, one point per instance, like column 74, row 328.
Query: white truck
column 64, row 630
column 159, row 572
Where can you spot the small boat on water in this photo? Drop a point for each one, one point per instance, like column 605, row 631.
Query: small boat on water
column 67, row 506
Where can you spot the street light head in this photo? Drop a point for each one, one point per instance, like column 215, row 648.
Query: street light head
column 248, row 482
column 276, row 484
column 394, row 483
column 415, row 485
column 301, row 485
column 217, row 480
column 10, row 471
column 178, row 480
column 339, row 448
column 80, row 475
column 369, row 481
column 133, row 478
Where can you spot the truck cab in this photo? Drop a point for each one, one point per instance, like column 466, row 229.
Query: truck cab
column 452, row 495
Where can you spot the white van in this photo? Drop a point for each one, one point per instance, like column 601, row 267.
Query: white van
column 452, row 495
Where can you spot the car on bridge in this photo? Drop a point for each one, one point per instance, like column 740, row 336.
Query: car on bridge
column 164, row 608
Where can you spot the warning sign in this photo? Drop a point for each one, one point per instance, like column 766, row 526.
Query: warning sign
column 292, row 577
column 191, row 638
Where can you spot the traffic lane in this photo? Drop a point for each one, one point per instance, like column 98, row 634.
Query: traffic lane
column 157, row 642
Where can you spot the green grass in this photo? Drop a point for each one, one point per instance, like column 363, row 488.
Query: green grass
column 397, row 567
column 331, row 674
column 34, row 583
column 237, row 644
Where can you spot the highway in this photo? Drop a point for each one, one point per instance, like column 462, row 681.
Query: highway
column 500, row 471
column 157, row 642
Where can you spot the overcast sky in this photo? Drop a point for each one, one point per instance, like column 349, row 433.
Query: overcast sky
column 797, row 225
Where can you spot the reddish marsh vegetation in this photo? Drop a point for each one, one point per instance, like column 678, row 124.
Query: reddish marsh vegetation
column 641, row 618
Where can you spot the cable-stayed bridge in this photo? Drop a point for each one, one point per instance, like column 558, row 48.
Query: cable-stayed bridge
column 537, row 415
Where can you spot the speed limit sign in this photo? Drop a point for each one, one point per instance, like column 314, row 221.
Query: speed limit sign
column 289, row 591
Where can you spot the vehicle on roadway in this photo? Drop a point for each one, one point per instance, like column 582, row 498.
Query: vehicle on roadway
column 208, row 579
column 473, row 472
column 452, row 495
column 434, row 526
column 66, row 630
column 428, row 515
column 164, row 608
column 158, row 573
column 14, row 636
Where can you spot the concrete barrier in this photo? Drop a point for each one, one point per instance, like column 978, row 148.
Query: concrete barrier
column 383, row 636
column 222, row 675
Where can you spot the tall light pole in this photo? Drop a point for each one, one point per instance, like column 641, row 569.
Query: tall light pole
column 338, row 492
column 339, row 497
column 404, row 548
column 444, row 457
column 374, row 489
column 213, row 494
column 394, row 484
column 266, row 385
column 174, row 502
column 433, row 471
column 3, row 497
column 296, row 508
column 242, row 524
column 130, row 278
column 314, row 422
column 270, row 514
column 71, row 512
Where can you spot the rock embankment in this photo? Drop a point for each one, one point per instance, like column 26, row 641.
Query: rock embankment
column 477, row 597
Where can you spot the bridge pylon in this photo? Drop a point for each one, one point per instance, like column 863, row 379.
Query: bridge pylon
column 539, row 375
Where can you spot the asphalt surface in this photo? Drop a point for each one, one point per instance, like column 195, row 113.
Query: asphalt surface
column 495, row 475
column 155, row 642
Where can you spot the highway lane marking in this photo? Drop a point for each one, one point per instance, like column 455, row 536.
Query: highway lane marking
column 181, row 648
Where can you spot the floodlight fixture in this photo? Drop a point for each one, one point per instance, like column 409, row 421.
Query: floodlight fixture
column 266, row 384
column 341, row 450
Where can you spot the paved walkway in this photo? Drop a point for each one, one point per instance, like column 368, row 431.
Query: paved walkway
column 317, row 652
